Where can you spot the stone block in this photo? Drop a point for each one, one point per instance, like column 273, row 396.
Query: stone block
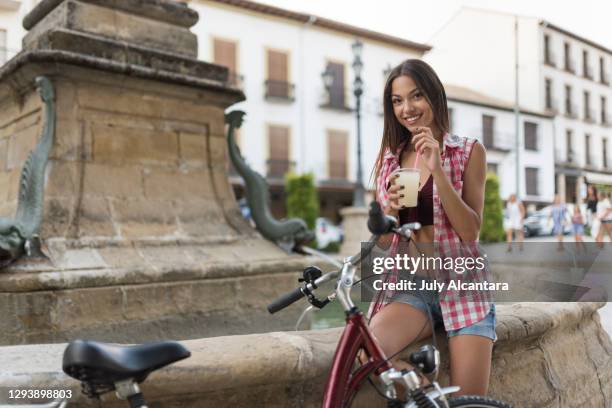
column 72, row 141
column 62, row 178
column 115, row 24
column 117, row 144
column 112, row 181
column 5, row 185
column 57, row 217
column 77, row 308
column 141, row 217
column 193, row 149
column 94, row 219
column 202, row 218
column 176, row 184
column 20, row 145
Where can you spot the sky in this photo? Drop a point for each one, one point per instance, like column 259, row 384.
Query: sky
column 420, row 20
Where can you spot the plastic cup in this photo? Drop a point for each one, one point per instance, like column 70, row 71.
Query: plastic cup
column 409, row 178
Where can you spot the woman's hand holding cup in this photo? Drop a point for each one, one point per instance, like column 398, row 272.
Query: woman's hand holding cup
column 395, row 193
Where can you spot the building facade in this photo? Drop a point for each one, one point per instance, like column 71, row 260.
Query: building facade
column 559, row 73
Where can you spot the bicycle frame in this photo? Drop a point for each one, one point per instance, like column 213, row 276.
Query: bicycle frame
column 341, row 385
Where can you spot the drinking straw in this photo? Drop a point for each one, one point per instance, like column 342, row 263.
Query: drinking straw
column 416, row 161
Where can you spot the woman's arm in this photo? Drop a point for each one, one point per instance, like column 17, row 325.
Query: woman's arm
column 465, row 213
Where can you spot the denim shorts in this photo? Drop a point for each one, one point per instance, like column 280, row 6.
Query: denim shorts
column 429, row 300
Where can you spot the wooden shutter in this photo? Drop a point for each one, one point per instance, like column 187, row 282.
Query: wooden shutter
column 278, row 142
column 604, row 147
column 337, row 152
column 488, row 125
column 587, row 149
column 278, row 74
column 336, row 92
column 224, row 53
column 531, row 180
column 531, row 136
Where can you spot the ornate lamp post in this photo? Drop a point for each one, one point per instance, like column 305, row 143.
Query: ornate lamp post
column 359, row 193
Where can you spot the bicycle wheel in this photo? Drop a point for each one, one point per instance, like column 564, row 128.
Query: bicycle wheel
column 473, row 401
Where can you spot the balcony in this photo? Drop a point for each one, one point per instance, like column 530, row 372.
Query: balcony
column 570, row 66
column 336, row 99
column 279, row 91
column 550, row 58
column 571, row 111
column 277, row 168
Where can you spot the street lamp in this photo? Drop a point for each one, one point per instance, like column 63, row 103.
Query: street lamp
column 359, row 193
column 328, row 80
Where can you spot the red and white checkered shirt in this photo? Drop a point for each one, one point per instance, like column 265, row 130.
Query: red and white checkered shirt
column 458, row 310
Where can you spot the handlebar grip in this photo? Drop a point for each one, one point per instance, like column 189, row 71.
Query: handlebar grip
column 285, row 300
column 378, row 222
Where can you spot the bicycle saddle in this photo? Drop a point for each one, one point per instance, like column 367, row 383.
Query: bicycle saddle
column 103, row 363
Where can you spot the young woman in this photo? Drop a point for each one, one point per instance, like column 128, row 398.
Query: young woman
column 450, row 204
column 515, row 213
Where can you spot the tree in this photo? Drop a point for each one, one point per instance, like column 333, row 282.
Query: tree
column 302, row 198
column 492, row 229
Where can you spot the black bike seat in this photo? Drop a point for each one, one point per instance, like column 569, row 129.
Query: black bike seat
column 104, row 363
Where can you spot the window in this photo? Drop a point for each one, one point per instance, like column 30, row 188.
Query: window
column 547, row 55
column 568, row 146
column 277, row 84
column 587, row 105
column 548, row 92
column 337, row 152
column 604, row 115
column 603, row 78
column 568, row 100
column 531, row 180
column 224, row 53
column 604, row 149
column 492, row 168
column 587, row 149
column 488, row 127
column 278, row 145
column 531, row 135
column 569, row 64
column 336, row 90
column 586, row 70
column 450, row 120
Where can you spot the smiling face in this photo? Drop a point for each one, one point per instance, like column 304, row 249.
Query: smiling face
column 410, row 106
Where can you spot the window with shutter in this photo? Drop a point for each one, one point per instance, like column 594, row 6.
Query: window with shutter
column 337, row 152
column 488, row 126
column 531, row 136
column 531, row 180
column 277, row 84
column 224, row 53
column 278, row 142
column 336, row 91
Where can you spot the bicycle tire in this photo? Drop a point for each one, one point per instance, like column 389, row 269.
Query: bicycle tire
column 473, row 401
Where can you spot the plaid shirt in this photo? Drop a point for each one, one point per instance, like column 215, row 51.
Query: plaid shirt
column 458, row 310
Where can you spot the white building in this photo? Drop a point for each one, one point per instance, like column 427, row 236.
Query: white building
column 292, row 122
column 559, row 72
column 492, row 122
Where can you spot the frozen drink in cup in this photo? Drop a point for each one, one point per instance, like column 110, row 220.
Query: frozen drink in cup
column 409, row 178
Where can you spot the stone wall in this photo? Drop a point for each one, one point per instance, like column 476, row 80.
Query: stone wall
column 546, row 356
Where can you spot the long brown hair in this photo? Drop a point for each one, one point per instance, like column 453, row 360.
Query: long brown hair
column 428, row 82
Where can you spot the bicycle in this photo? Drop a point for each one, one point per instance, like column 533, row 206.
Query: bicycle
column 103, row 367
column 343, row 383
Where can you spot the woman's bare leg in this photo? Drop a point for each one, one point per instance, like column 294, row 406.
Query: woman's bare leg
column 396, row 326
column 470, row 363
column 509, row 239
column 520, row 237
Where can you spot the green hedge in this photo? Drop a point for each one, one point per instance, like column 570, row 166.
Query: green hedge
column 492, row 229
column 302, row 198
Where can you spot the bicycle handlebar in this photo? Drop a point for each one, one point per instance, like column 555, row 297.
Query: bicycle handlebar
column 378, row 224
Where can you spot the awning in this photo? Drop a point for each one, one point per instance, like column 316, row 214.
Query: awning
column 598, row 178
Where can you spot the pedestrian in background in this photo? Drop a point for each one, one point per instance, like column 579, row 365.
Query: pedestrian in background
column 578, row 226
column 515, row 213
column 591, row 205
column 558, row 213
column 604, row 215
